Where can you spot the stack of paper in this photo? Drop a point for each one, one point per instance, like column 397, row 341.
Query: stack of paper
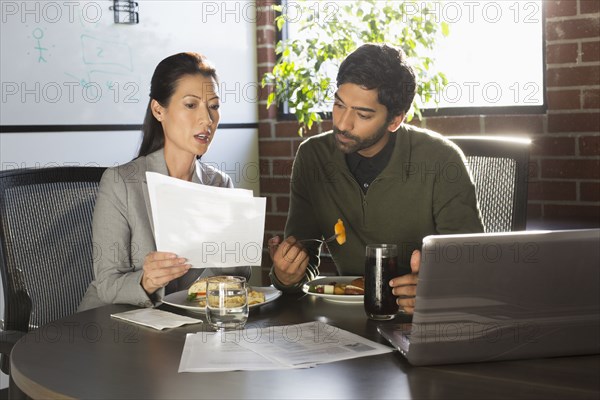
column 212, row 227
column 275, row 347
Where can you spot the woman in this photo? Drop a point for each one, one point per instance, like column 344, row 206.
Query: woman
column 180, row 123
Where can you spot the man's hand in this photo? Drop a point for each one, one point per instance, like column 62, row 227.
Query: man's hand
column 160, row 268
column 289, row 259
column 406, row 286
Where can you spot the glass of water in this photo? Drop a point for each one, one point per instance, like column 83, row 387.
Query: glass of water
column 226, row 302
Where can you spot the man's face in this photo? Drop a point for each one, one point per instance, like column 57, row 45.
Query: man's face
column 359, row 120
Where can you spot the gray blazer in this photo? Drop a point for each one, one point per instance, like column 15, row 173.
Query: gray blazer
column 122, row 234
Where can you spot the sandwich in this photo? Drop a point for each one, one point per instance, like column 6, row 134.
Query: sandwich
column 197, row 292
column 357, row 286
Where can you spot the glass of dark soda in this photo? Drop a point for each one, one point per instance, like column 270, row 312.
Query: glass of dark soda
column 381, row 265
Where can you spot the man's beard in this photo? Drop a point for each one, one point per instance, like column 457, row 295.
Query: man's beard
column 358, row 144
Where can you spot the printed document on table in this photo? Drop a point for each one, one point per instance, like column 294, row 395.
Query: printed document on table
column 217, row 351
column 274, row 347
column 213, row 227
column 309, row 343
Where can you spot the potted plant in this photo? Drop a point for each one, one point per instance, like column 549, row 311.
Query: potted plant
column 304, row 74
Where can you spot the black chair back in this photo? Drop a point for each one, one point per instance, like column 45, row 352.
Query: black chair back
column 46, row 249
column 499, row 166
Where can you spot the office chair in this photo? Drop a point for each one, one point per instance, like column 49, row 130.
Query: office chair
column 45, row 246
column 499, row 166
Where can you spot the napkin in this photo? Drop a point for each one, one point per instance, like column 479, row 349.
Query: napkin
column 157, row 319
column 212, row 227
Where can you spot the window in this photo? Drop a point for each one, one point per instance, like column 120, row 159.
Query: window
column 493, row 57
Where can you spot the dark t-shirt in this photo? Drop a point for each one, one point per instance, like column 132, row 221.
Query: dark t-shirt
column 366, row 169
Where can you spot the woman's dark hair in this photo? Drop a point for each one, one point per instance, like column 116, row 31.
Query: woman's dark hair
column 385, row 68
column 164, row 82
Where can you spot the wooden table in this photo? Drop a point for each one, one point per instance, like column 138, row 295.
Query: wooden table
column 91, row 355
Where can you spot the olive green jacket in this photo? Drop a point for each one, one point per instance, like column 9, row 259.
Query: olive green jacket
column 425, row 189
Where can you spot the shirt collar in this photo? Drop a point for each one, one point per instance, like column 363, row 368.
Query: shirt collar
column 378, row 162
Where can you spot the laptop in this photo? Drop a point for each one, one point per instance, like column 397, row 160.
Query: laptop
column 501, row 296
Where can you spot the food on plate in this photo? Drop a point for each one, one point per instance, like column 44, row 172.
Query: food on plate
column 356, row 287
column 339, row 229
column 255, row 297
column 229, row 302
column 198, row 289
column 197, row 292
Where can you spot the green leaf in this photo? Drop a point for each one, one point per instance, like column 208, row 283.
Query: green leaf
column 280, row 21
column 429, row 27
column 270, row 99
column 444, row 78
column 445, row 28
column 309, row 123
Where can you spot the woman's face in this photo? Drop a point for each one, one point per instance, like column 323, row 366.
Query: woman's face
column 191, row 118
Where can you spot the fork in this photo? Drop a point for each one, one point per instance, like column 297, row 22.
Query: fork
column 329, row 239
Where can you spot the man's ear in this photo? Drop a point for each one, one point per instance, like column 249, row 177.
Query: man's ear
column 157, row 110
column 395, row 122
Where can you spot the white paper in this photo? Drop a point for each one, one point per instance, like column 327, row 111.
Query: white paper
column 216, row 351
column 157, row 319
column 212, row 227
column 310, row 343
column 276, row 347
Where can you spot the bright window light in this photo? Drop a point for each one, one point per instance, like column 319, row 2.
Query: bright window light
column 493, row 56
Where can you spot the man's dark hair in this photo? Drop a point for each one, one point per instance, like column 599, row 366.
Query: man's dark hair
column 385, row 68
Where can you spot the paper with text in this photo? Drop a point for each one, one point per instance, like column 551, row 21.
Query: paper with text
column 213, row 227
column 310, row 343
column 274, row 347
column 218, row 351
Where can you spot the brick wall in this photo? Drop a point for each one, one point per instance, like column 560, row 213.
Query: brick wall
column 565, row 153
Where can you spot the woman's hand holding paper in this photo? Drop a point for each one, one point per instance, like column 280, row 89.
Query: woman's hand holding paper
column 160, row 268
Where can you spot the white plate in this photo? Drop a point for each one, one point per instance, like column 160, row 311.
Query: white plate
column 179, row 299
column 337, row 298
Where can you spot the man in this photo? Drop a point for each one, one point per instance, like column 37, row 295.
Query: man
column 387, row 181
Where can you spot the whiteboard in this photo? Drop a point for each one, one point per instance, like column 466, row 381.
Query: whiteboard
column 234, row 151
column 69, row 63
